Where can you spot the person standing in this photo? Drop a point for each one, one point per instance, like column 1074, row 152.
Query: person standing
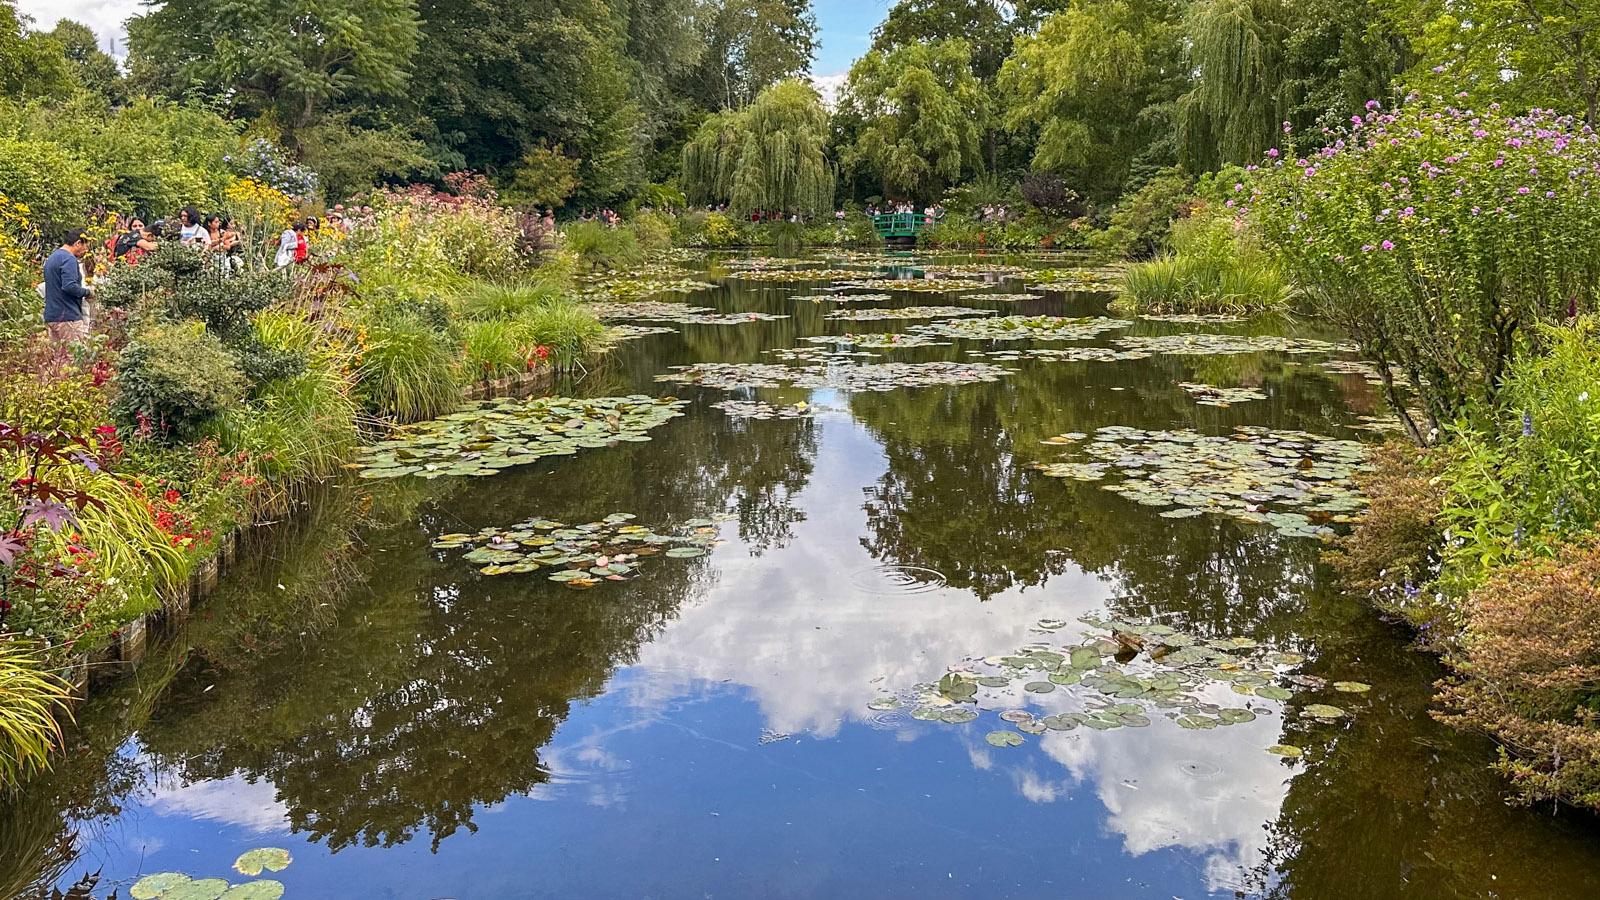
column 64, row 291
column 288, row 246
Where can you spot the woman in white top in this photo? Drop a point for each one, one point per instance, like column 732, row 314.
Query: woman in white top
column 288, row 243
column 194, row 233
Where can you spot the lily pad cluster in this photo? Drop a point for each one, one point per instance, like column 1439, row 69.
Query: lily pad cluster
column 676, row 312
column 1101, row 278
column 178, row 886
column 1003, row 298
column 731, row 376
column 1016, row 328
column 647, row 309
column 873, row 377
column 634, row 288
column 782, row 275
column 916, row 285
column 578, row 556
column 758, row 409
column 631, row 332
column 907, row 312
column 487, row 437
column 1292, row 480
column 1064, row 354
column 893, row 376
column 1121, row 674
column 846, row 298
column 1210, row 395
column 880, row 341
column 1207, row 344
column 972, row 270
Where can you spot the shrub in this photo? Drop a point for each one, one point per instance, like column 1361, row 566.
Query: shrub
column 1527, row 479
column 568, row 331
column 1141, row 224
column 492, row 350
column 175, row 378
column 484, row 301
column 1528, row 673
column 1217, row 269
column 653, row 231
column 407, row 373
column 34, row 704
column 54, row 185
column 599, row 246
column 1438, row 238
column 1392, row 554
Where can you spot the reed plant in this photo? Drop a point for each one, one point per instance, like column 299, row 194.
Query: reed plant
column 407, row 373
column 35, row 702
column 598, row 246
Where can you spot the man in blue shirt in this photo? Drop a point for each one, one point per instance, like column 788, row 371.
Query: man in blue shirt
column 64, row 291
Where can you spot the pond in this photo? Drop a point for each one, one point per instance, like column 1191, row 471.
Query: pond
column 802, row 697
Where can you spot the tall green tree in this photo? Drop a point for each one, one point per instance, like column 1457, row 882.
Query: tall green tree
column 1526, row 53
column 751, row 45
column 292, row 58
column 920, row 115
column 1094, row 87
column 93, row 69
column 1240, row 93
column 771, row 155
column 32, row 64
column 988, row 27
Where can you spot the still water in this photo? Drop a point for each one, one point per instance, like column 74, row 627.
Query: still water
column 409, row 728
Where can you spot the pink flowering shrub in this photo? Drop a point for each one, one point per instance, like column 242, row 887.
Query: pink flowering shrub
column 1439, row 238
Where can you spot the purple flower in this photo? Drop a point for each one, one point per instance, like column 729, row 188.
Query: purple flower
column 1373, row 104
column 1522, row 190
column 1527, row 424
column 1273, row 152
column 1388, row 245
column 1366, row 248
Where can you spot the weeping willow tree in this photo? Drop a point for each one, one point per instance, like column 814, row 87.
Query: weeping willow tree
column 919, row 115
column 1091, row 88
column 771, row 155
column 1241, row 88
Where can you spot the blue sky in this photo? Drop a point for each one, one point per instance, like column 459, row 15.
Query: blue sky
column 845, row 30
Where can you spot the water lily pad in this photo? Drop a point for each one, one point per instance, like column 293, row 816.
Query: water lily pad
column 1039, row 687
column 885, row 703
column 272, row 859
column 1016, row 715
column 1005, row 738
column 1323, row 711
column 1286, row 750
column 1351, row 687
column 200, row 889
column 957, row 715
column 263, row 889
column 152, row 886
column 1273, row 692
column 1013, row 328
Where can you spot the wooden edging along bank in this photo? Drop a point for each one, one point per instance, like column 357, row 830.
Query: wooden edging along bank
column 126, row 646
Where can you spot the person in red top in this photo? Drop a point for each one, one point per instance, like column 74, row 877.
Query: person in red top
column 301, row 248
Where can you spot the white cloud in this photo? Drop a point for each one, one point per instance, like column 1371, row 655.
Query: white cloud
column 828, row 86
column 106, row 17
column 232, row 800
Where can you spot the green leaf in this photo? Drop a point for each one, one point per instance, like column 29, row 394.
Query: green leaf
column 153, row 886
column 1323, row 711
column 273, row 859
column 1005, row 738
column 1351, row 687
column 1286, row 750
column 203, row 889
column 264, row 889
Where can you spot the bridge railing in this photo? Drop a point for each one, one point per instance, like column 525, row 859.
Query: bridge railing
column 902, row 224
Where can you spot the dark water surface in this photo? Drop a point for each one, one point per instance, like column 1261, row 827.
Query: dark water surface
column 410, row 728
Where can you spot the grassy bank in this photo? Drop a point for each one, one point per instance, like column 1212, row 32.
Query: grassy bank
column 210, row 396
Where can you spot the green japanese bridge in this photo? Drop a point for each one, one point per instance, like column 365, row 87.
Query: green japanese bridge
column 902, row 227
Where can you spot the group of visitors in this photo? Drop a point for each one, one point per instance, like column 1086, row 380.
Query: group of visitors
column 930, row 214
column 67, row 285
column 607, row 217
column 994, row 214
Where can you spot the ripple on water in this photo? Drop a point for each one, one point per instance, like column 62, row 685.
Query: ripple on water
column 889, row 720
column 897, row 580
column 1198, row 769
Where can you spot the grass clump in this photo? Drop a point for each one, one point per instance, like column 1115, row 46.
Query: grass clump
column 1216, row 268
